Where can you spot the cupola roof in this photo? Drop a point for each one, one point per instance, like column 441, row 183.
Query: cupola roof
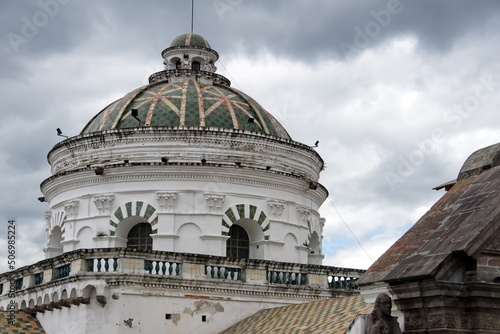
column 188, row 93
column 190, row 40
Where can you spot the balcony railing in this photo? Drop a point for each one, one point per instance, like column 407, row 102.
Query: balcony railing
column 103, row 265
column 226, row 273
column 38, row 278
column 63, row 271
column 194, row 268
column 164, row 268
column 285, row 277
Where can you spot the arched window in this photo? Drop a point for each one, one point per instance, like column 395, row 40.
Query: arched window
column 237, row 245
column 139, row 237
column 195, row 66
column 178, row 65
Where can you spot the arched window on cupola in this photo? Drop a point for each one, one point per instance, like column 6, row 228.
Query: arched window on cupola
column 195, row 66
column 139, row 237
column 238, row 243
column 178, row 65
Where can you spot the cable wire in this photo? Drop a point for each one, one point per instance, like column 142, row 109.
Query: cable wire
column 229, row 74
column 343, row 221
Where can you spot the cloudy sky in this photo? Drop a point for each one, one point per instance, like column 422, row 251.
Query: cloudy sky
column 399, row 94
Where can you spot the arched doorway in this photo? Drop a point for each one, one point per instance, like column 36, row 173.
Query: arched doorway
column 139, row 237
column 238, row 243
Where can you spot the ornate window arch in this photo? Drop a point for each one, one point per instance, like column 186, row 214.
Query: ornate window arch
column 137, row 209
column 243, row 213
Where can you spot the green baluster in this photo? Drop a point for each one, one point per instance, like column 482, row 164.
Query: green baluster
column 148, row 266
column 164, row 268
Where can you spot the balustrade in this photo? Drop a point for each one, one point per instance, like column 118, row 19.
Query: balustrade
column 165, row 268
column 226, row 273
column 284, row 277
column 63, row 271
column 38, row 278
column 198, row 267
column 341, row 282
column 103, row 265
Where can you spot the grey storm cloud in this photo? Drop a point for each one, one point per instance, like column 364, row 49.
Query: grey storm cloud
column 416, row 67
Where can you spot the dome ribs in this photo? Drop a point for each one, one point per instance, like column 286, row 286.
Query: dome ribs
column 201, row 104
column 126, row 104
column 182, row 111
column 256, row 114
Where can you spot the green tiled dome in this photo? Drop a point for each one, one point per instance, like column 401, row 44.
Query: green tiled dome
column 187, row 103
column 190, row 40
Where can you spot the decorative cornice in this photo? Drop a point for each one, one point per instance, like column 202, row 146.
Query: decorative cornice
column 225, row 139
column 61, row 183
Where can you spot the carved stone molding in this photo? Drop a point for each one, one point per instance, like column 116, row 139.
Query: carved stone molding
column 104, row 203
column 167, row 201
column 276, row 207
column 303, row 214
column 214, row 202
column 71, row 209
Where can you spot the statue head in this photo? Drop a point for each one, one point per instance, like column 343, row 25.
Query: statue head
column 384, row 303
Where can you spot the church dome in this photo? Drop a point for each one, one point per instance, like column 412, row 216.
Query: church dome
column 186, row 161
column 188, row 93
column 185, row 104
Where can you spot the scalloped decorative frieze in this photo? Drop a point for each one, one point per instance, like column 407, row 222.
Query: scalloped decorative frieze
column 71, row 209
column 303, row 214
column 167, row 200
column 104, row 203
column 214, row 202
column 316, row 224
column 276, row 208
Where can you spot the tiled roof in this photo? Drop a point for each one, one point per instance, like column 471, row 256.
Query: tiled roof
column 462, row 223
column 187, row 103
column 321, row 317
column 24, row 323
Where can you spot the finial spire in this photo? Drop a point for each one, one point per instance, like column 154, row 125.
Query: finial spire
column 192, row 15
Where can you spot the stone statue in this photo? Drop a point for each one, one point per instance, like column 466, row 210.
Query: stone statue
column 380, row 320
